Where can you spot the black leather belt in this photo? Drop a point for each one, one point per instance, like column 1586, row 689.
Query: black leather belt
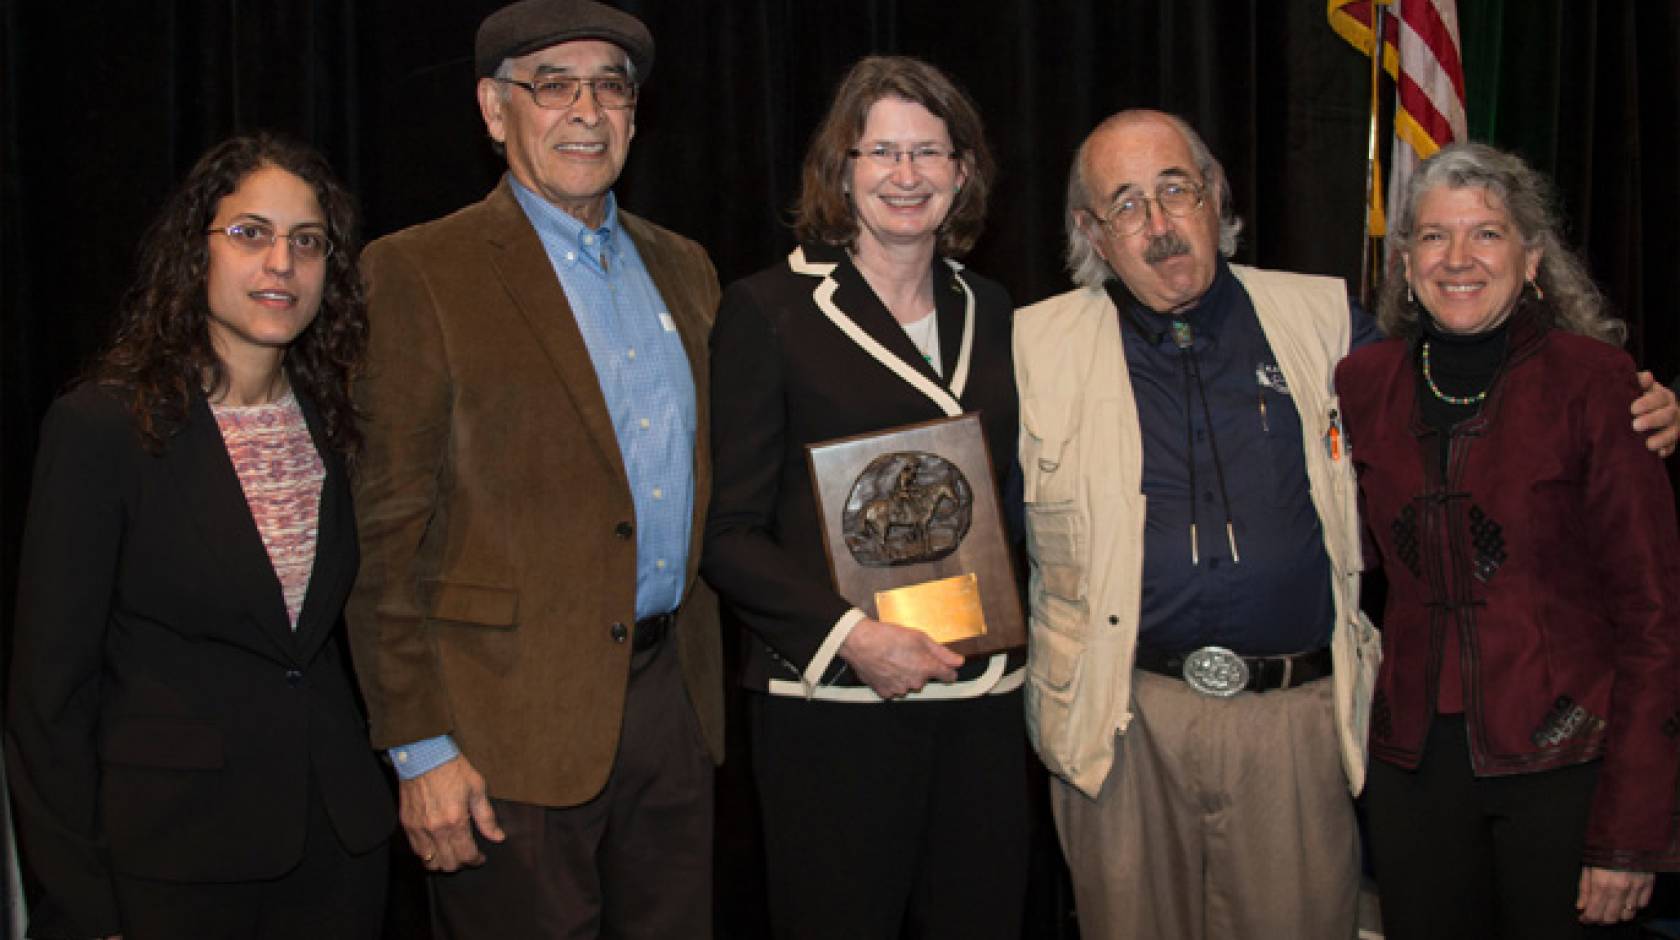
column 1214, row 670
column 651, row 631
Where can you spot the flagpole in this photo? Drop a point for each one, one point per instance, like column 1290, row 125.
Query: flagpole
column 1367, row 250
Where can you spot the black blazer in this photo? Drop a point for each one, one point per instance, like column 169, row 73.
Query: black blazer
column 164, row 719
column 804, row 352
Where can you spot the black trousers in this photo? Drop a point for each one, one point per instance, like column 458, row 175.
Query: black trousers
column 633, row 862
column 1460, row 856
column 330, row 895
column 896, row 819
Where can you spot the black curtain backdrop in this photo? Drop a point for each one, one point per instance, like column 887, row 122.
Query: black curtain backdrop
column 104, row 106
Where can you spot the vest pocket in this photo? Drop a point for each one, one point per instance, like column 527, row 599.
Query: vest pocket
column 1054, row 662
column 1059, row 549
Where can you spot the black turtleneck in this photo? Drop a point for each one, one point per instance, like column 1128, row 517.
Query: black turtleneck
column 1462, row 365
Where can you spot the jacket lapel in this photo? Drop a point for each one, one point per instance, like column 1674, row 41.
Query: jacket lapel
column 335, row 546
column 529, row 278
column 845, row 298
column 692, row 307
column 199, row 460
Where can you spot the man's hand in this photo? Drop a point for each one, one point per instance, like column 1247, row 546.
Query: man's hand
column 896, row 660
column 1655, row 412
column 435, row 809
column 1609, row 896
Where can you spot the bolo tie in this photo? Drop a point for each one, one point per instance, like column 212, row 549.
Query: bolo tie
column 1191, row 367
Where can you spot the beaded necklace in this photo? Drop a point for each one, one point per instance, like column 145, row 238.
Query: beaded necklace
column 1429, row 380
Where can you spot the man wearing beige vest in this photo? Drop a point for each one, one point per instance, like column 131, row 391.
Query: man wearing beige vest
column 1200, row 670
column 538, row 657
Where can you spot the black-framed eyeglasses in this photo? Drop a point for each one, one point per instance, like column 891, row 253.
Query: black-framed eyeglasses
column 306, row 245
column 559, row 92
column 1130, row 213
column 926, row 156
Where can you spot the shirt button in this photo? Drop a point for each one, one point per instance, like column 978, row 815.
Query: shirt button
column 588, row 238
column 660, row 564
column 402, row 757
column 1113, row 620
column 624, row 530
column 631, row 354
column 293, row 677
column 619, row 634
column 571, row 256
column 658, row 493
column 645, row 424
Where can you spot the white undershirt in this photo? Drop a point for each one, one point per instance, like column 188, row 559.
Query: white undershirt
column 925, row 334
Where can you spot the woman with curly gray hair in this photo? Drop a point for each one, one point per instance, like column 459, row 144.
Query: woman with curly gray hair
column 1524, row 725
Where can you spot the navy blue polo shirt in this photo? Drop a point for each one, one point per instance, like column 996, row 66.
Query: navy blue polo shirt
column 1275, row 597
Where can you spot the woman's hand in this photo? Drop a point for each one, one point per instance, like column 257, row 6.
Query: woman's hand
column 1609, row 896
column 895, row 660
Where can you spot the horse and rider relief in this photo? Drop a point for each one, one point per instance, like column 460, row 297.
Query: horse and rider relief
column 907, row 508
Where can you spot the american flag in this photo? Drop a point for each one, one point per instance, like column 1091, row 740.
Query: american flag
column 1420, row 52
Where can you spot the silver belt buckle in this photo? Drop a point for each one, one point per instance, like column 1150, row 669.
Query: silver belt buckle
column 1216, row 671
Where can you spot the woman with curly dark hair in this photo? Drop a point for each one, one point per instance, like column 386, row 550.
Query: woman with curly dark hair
column 186, row 753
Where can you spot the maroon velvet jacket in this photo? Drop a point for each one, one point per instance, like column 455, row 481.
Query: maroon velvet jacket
column 1551, row 548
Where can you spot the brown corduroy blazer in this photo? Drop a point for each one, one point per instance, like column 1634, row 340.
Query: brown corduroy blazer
column 498, row 576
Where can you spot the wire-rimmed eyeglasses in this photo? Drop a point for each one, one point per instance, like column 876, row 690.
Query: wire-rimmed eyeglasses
column 559, row 92
column 1130, row 213
column 926, row 156
column 307, row 245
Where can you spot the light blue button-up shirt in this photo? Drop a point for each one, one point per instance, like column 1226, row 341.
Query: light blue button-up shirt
column 644, row 375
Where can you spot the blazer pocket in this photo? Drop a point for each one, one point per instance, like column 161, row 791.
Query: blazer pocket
column 476, row 604
column 166, row 743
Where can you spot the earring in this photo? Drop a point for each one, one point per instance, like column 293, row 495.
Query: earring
column 1409, row 298
column 1538, row 293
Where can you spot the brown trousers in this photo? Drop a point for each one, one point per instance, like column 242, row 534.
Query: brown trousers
column 1221, row 818
column 634, row 862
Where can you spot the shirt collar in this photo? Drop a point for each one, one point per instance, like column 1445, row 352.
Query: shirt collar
column 559, row 227
column 1206, row 317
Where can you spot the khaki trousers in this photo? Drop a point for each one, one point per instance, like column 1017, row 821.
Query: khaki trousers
column 1222, row 818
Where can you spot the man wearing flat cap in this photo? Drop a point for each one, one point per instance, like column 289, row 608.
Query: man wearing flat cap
column 537, row 655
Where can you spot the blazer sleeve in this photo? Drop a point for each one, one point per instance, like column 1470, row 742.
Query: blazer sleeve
column 67, row 577
column 1629, row 511
column 405, row 395
column 797, row 614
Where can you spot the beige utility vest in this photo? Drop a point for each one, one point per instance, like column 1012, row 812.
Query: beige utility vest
column 1082, row 456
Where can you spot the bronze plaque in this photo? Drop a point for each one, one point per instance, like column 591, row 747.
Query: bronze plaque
column 914, row 533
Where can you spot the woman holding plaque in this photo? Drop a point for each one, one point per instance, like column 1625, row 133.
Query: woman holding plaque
column 890, row 770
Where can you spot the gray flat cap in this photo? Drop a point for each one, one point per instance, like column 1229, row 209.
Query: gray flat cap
column 529, row 25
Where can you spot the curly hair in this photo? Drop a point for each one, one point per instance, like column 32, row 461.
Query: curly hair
column 824, row 213
column 1572, row 301
column 1083, row 262
column 160, row 355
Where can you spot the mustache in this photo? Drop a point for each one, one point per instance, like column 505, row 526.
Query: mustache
column 1163, row 246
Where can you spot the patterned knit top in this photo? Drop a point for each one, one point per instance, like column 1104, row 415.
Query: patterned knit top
column 281, row 474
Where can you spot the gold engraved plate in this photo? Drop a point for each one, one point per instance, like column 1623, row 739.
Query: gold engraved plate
column 947, row 609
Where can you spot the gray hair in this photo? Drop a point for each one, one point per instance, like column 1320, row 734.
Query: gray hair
column 1083, row 262
column 1573, row 302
